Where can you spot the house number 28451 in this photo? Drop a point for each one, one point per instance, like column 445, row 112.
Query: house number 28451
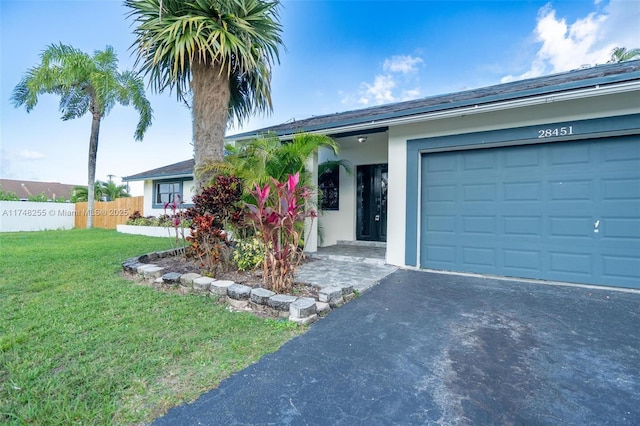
column 558, row 131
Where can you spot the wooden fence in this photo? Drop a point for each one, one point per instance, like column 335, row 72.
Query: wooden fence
column 108, row 214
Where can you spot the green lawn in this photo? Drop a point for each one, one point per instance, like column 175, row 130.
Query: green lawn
column 81, row 345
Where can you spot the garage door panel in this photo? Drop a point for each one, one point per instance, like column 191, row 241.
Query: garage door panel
column 483, row 258
column 621, row 266
column 620, row 228
column 474, row 224
column 522, row 191
column 480, row 160
column 565, row 211
column 567, row 153
column 571, row 190
column 514, row 261
column 441, row 224
column 570, row 262
column 526, row 158
column 479, row 192
column 441, row 255
column 577, row 227
column 624, row 189
column 521, row 225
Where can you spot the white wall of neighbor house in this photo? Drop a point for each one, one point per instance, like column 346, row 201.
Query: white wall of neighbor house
column 18, row 216
column 188, row 191
column 341, row 224
column 554, row 111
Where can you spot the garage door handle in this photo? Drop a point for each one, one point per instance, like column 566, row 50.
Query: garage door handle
column 377, row 218
column 595, row 226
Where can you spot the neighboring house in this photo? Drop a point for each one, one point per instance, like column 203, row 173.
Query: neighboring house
column 26, row 188
column 537, row 178
column 166, row 184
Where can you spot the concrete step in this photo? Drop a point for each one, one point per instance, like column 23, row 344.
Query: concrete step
column 380, row 244
column 343, row 258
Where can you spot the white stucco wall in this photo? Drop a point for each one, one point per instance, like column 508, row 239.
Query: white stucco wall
column 16, row 216
column 188, row 191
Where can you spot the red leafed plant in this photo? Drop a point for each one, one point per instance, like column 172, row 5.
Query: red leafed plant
column 278, row 218
column 215, row 210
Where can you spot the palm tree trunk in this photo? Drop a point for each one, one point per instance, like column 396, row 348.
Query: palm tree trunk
column 93, row 154
column 210, row 87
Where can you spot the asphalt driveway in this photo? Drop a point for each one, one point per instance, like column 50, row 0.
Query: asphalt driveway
column 424, row 348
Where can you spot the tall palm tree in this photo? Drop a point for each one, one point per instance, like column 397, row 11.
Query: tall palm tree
column 85, row 84
column 215, row 53
column 622, row 54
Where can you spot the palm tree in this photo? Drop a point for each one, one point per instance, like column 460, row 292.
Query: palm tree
column 81, row 193
column 621, row 54
column 219, row 52
column 111, row 190
column 85, row 84
column 267, row 157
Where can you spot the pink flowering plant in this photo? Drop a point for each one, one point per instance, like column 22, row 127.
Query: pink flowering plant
column 278, row 218
column 177, row 219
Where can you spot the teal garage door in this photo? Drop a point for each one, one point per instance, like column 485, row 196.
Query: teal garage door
column 565, row 211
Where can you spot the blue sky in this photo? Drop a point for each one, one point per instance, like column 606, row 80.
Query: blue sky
column 339, row 56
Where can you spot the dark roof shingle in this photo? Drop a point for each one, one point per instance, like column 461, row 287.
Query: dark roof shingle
column 181, row 169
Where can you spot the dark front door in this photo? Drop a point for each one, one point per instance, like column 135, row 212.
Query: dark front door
column 372, row 202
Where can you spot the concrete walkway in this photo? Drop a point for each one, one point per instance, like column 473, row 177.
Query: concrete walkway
column 322, row 273
column 423, row 348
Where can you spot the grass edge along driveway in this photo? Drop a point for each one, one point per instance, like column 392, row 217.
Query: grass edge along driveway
column 80, row 344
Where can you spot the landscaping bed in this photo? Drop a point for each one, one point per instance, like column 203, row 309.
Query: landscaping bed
column 171, row 271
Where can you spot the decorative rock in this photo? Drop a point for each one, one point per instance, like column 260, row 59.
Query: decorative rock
column 171, row 278
column 238, row 304
column 187, row 279
column 323, row 308
column 302, row 308
column 330, row 294
column 346, row 289
column 337, row 303
column 144, row 266
column 261, row 295
column 153, row 273
column 131, row 265
column 306, row 320
column 202, row 284
column 239, row 292
column 281, row 302
column 220, row 287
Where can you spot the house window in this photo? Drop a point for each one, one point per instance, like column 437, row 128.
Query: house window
column 329, row 184
column 167, row 192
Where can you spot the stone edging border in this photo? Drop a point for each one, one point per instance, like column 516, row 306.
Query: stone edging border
column 302, row 310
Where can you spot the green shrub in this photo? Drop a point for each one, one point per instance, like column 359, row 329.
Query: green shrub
column 248, row 254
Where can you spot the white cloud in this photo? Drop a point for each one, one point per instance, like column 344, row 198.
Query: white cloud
column 401, row 64
column 379, row 92
column 397, row 83
column 27, row 154
column 587, row 41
